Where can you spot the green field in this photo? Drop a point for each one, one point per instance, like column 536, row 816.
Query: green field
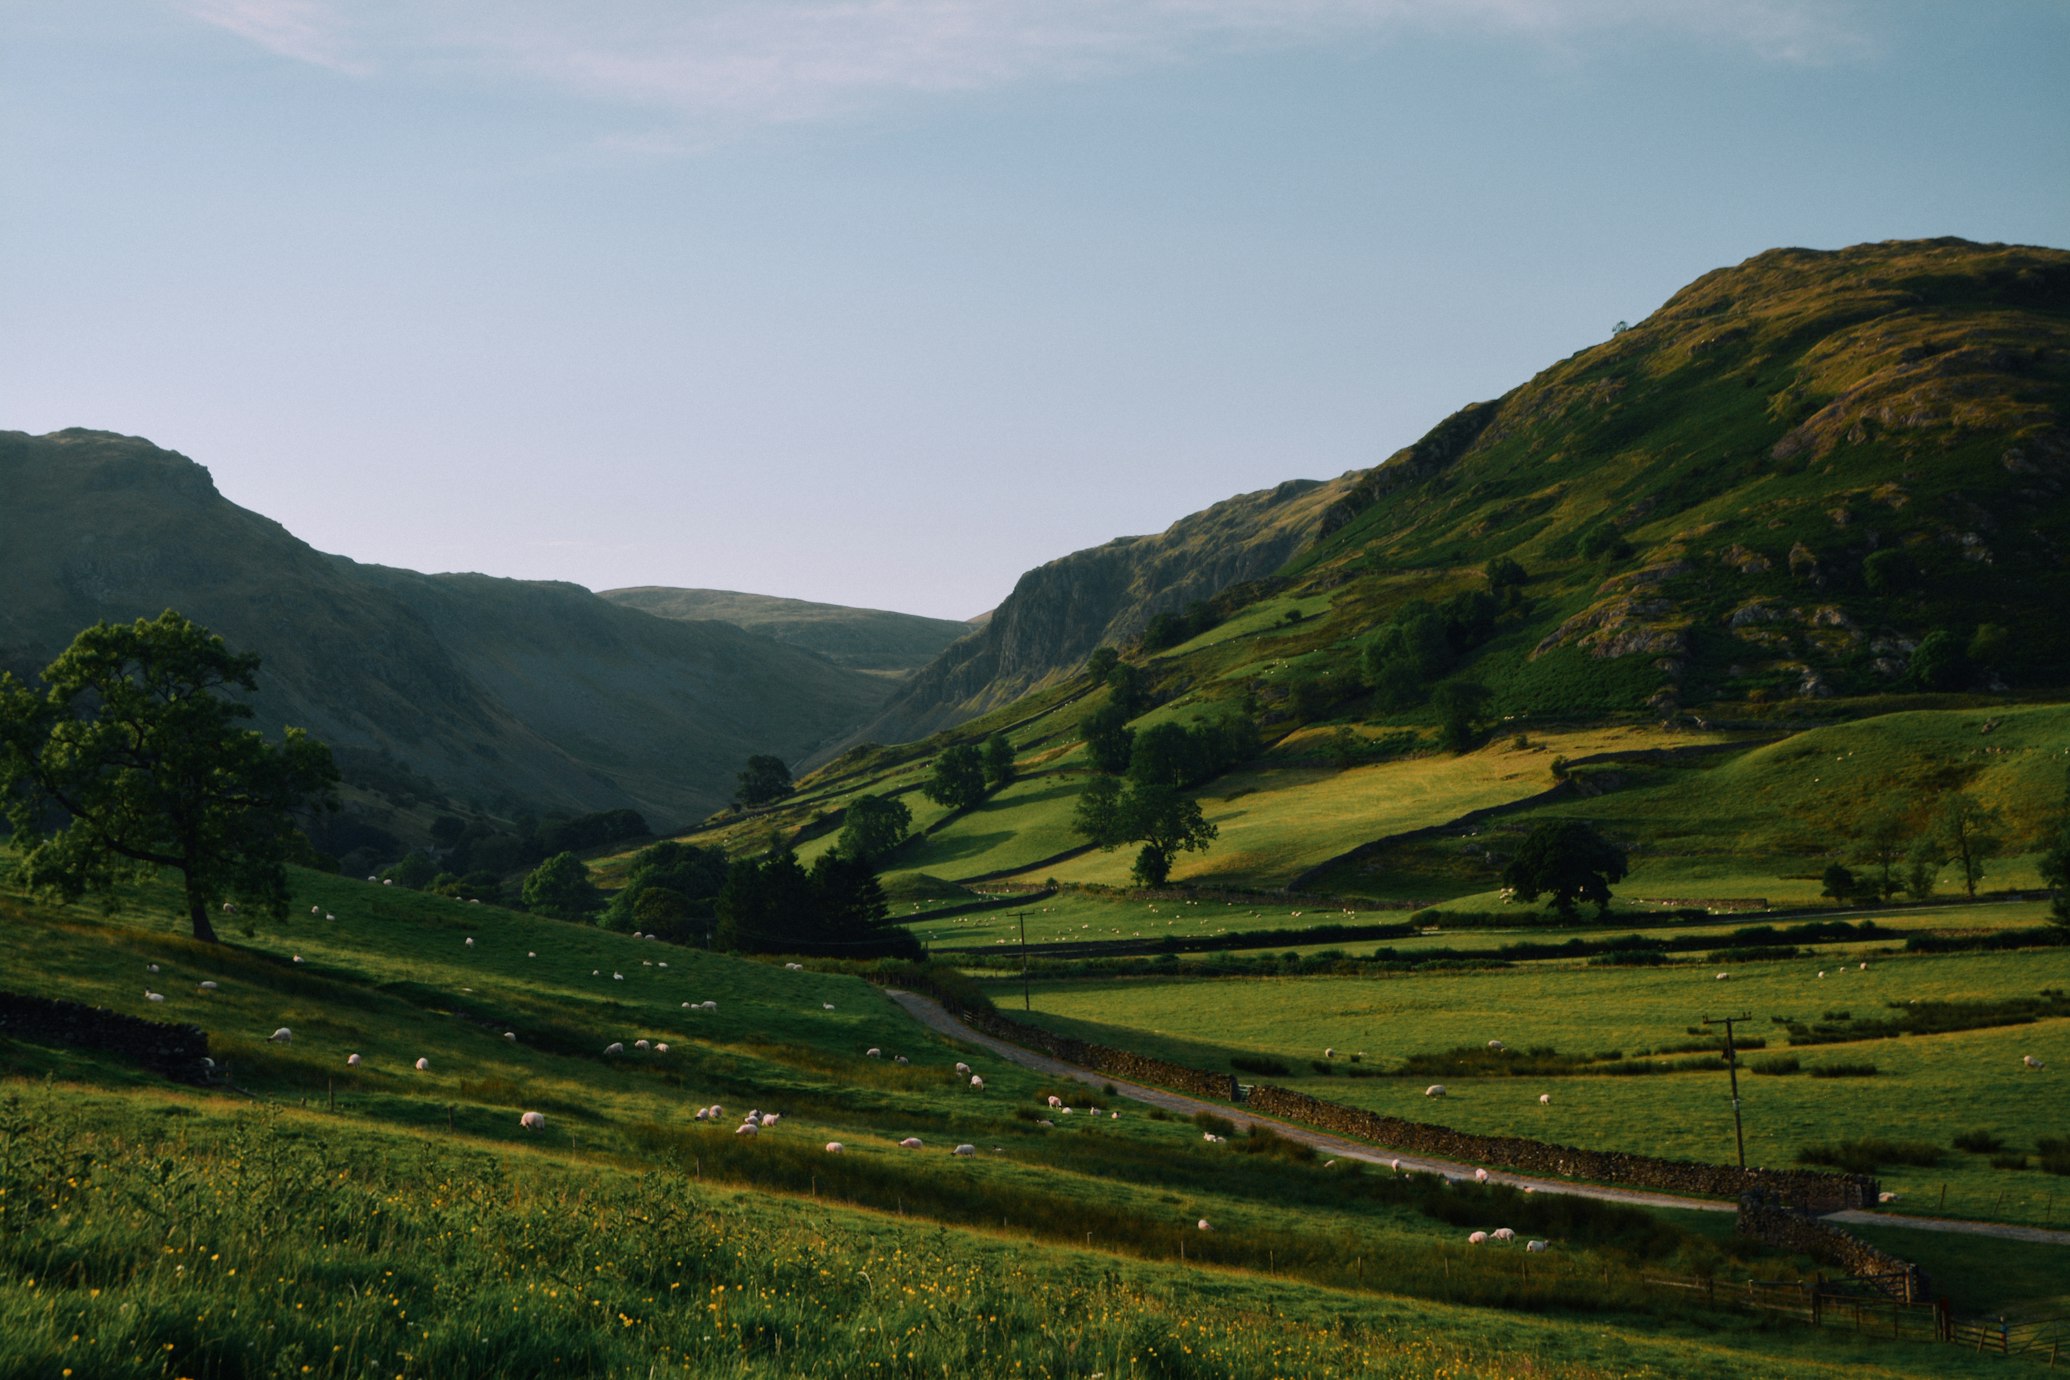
column 386, row 1220
column 1925, row 1088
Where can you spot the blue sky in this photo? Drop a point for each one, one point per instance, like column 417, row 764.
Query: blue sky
column 883, row 302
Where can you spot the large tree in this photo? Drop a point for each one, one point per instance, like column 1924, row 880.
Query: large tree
column 1968, row 831
column 1160, row 818
column 134, row 758
column 764, row 779
column 560, row 887
column 1566, row 861
column 959, row 778
column 875, row 825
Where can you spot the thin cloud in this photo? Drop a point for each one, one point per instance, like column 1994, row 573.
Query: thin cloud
column 718, row 63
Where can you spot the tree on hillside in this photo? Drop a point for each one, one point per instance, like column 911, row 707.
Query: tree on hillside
column 764, row 779
column 560, row 887
column 678, row 872
column 1160, row 818
column 2055, row 864
column 773, row 905
column 1566, row 861
column 1109, row 740
column 1968, row 831
column 1101, row 663
column 875, row 824
column 133, row 759
column 1461, row 705
column 1840, row 883
column 958, row 782
column 998, row 761
column 1883, row 838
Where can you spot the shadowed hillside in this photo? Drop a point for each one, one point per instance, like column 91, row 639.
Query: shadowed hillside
column 540, row 694
column 865, row 639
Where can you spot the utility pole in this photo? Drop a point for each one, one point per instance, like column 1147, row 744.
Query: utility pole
column 1022, row 916
column 1732, row 1068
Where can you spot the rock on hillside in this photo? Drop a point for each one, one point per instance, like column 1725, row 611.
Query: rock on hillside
column 866, row 639
column 535, row 693
column 1059, row 612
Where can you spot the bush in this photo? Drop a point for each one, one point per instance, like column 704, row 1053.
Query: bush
column 1263, row 1140
column 1852, row 1069
column 2055, row 1153
column 2009, row 1161
column 1978, row 1142
column 1778, row 1064
column 1219, row 1125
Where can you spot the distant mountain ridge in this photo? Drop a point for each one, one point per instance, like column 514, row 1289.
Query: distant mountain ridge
column 866, row 639
column 1059, row 612
column 537, row 693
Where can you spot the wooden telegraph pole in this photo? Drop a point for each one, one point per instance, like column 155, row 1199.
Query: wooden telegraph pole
column 1732, row 1068
column 1022, row 916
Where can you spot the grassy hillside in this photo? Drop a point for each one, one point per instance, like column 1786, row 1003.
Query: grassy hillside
column 865, row 639
column 378, row 1217
column 540, row 695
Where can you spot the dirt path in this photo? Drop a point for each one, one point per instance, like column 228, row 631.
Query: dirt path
column 933, row 1015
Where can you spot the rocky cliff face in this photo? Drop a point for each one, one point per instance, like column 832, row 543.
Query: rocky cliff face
column 1059, row 612
column 531, row 692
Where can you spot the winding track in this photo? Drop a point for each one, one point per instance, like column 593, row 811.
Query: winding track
column 933, row 1015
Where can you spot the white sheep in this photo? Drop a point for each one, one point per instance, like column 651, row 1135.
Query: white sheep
column 1202, row 1225
column 316, row 910
column 1821, row 972
column 150, row 967
column 702, row 1114
column 873, row 1053
column 1534, row 1246
column 1434, row 1090
column 661, row 1047
column 1723, row 976
column 1495, row 1045
column 910, row 1143
column 281, row 1036
column 531, row 953
column 834, row 1147
column 470, row 941
column 977, row 1083
column 298, row 958
column 1862, row 967
column 963, row 1068
column 771, row 1118
column 533, row 1121
column 643, row 1044
column 1480, row 1176
column 748, row 1128
column 1330, row 1053
column 1055, row 1101
column 352, row 1061
column 615, row 1047
column 208, row 985
column 1504, row 1234
column 1395, row 1165
column 385, row 881
column 617, row 977
column 794, row 967
column 510, row 1035
column 1210, row 1137
column 1477, row 1238
column 2031, row 1062
column 708, row 1005
column 1046, row 1124
column 328, row 916
column 964, row 1150
column 826, row 1006
column 150, row 995
column 423, row 1065
column 1545, row 1099
column 900, row 1059
column 1886, row 1197
column 229, row 907
column 636, row 934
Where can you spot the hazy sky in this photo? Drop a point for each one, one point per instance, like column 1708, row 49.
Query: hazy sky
column 884, row 301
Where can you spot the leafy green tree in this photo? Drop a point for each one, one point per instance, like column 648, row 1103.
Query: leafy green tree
column 763, row 780
column 1505, row 573
column 1968, row 831
column 416, row 871
column 133, row 758
column 773, row 905
column 672, row 915
column 1460, row 704
column 560, row 887
column 1840, row 883
column 875, row 825
column 999, row 771
column 681, row 869
column 1938, row 662
column 1125, row 689
column 1098, row 814
column 959, row 778
column 1101, row 663
column 1165, row 821
column 1883, row 837
column 1566, row 861
column 1923, row 863
column 1109, row 741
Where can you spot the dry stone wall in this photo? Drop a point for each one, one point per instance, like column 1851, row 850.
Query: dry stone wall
column 177, row 1051
column 1766, row 1220
column 1120, row 1063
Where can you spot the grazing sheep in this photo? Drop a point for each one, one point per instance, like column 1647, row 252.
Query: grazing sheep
column 660, row 1047
column 643, row 1044
column 617, row 977
column 900, row 1059
column 1886, row 1196
column 1210, row 1137
column 1495, row 1045
column 873, row 1053
column 328, row 916
column 281, row 1036
column 771, row 1118
column 748, row 1128
column 1330, row 1053
column 1723, row 976
column 716, row 1109
column 963, row 1068
column 1534, row 1246
column 615, row 1047
column 637, row 934
column 531, row 953
column 1862, row 967
column 1434, row 1090
column 964, row 1150
column 208, row 986
column 834, row 1147
column 470, row 941
column 1395, row 1165
column 423, row 1065
column 385, row 881
column 533, row 1121
column 229, row 907
column 702, row 1114
column 1477, row 1238
column 316, row 910
column 793, row 967
column 977, row 1083
column 150, row 995
column 510, row 1035
column 1545, row 1099
column 298, row 958
column 1504, row 1234
column 150, row 967
column 1055, row 1101
column 352, row 1061
column 1051, row 1125
column 910, row 1143
column 708, row 1006
column 1480, row 1176
column 2031, row 1062
column 1821, row 972
column 1202, row 1225
column 826, row 1006
column 1114, row 1116
column 664, row 963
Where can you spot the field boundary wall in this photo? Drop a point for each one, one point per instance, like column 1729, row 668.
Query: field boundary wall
column 177, row 1051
